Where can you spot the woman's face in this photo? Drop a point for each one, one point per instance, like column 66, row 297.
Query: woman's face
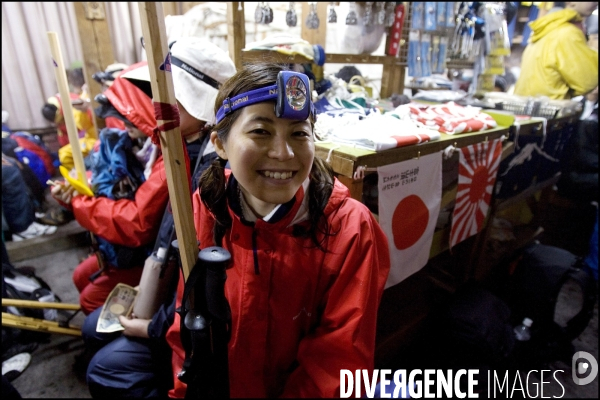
column 188, row 125
column 133, row 132
column 269, row 156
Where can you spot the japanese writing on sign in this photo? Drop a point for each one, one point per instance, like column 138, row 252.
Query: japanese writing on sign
column 404, row 178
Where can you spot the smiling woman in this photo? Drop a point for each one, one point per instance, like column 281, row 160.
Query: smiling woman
column 308, row 263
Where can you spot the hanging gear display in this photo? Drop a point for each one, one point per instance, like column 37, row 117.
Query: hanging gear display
column 332, row 17
column 396, row 31
column 368, row 13
column 312, row 20
column 291, row 18
column 469, row 31
column 380, row 20
column 390, row 14
column 352, row 18
column 263, row 13
column 258, row 13
column 267, row 14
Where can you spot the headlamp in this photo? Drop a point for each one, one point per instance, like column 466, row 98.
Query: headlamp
column 292, row 92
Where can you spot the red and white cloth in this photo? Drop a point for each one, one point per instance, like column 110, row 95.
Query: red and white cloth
column 410, row 195
column 376, row 132
column 477, row 171
column 450, row 118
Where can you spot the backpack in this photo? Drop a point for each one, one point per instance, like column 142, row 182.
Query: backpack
column 532, row 292
column 21, row 286
column 116, row 172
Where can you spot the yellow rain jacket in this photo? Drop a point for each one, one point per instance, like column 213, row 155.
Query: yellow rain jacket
column 557, row 62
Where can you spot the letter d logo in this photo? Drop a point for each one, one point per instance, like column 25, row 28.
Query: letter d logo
column 582, row 367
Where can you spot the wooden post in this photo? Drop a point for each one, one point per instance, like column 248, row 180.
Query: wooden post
column 154, row 31
column 67, row 108
column 96, row 47
column 236, row 31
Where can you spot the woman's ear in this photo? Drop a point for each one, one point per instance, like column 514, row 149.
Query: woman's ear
column 218, row 144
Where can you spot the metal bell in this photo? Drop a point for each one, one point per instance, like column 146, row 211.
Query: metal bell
column 332, row 17
column 258, row 13
column 291, row 19
column 312, row 20
column 351, row 18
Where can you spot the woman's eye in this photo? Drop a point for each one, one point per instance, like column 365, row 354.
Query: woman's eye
column 302, row 133
column 259, row 131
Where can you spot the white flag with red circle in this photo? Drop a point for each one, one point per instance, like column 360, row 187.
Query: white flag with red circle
column 477, row 171
column 410, row 195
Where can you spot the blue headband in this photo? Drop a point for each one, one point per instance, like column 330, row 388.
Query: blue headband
column 292, row 92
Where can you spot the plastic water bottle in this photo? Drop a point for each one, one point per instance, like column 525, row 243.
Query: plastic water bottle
column 522, row 332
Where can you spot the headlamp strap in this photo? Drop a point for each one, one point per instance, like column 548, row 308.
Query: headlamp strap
column 246, row 99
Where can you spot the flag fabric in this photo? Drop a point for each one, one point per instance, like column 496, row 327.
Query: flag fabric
column 451, row 118
column 477, row 171
column 410, row 195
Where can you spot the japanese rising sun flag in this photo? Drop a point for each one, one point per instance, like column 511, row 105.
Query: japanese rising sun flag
column 410, row 194
column 478, row 167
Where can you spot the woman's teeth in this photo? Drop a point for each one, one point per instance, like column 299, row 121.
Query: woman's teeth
column 278, row 175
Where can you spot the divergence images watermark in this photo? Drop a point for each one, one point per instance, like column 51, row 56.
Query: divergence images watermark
column 462, row 383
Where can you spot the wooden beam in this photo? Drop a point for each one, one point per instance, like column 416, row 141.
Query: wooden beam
column 172, row 7
column 95, row 46
column 154, row 31
column 236, row 31
column 187, row 5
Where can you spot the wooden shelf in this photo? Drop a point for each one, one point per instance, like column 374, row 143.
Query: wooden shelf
column 460, row 64
column 275, row 56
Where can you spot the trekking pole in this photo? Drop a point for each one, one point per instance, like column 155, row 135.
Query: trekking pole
column 205, row 326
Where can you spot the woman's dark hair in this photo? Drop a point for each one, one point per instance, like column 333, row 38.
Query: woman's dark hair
column 213, row 183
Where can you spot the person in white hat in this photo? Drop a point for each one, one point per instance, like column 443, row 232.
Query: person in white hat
column 124, row 364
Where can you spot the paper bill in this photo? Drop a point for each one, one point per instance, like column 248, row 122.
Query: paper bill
column 119, row 302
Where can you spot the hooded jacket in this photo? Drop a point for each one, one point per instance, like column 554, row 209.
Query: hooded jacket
column 299, row 315
column 557, row 62
column 130, row 223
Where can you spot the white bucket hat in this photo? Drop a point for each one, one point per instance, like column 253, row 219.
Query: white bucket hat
column 199, row 67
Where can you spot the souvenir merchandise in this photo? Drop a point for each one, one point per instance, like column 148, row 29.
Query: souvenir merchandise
column 430, row 16
column 414, row 54
column 417, row 15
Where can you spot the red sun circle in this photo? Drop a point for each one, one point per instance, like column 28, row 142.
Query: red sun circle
column 479, row 182
column 409, row 221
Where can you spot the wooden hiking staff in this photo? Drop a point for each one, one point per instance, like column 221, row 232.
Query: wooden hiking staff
column 67, row 108
column 171, row 143
column 36, row 324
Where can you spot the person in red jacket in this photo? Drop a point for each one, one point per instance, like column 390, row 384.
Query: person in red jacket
column 130, row 223
column 308, row 263
column 135, row 223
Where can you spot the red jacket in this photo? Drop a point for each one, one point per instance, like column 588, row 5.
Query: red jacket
column 128, row 222
column 307, row 314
